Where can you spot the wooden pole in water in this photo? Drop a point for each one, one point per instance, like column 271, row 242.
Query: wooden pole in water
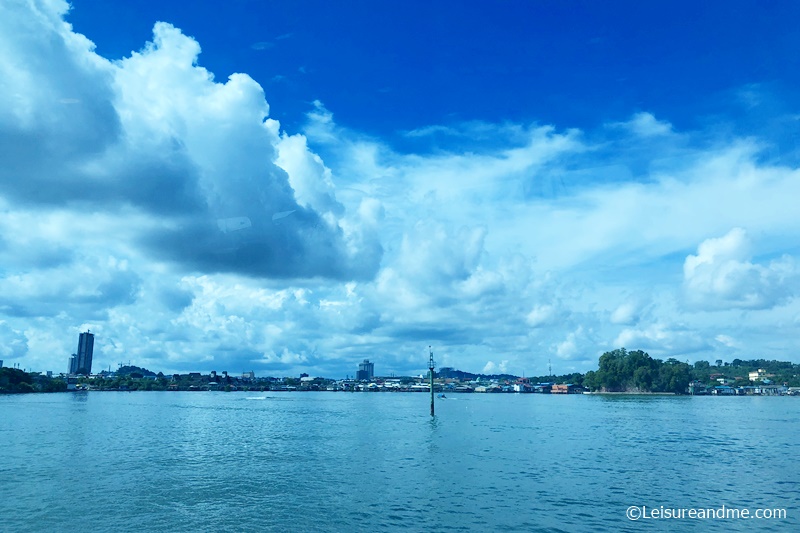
column 430, row 368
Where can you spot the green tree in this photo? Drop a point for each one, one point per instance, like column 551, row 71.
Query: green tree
column 674, row 376
column 621, row 370
column 590, row 380
column 643, row 378
column 54, row 385
column 15, row 380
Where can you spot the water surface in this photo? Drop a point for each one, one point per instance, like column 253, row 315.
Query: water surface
column 215, row 461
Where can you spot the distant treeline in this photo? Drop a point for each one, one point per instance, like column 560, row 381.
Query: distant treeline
column 135, row 372
column 469, row 376
column 618, row 371
column 14, row 380
column 635, row 371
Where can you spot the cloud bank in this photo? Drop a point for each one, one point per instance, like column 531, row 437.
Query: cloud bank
column 156, row 134
column 165, row 210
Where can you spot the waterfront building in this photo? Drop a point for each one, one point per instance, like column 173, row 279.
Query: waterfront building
column 697, row 388
column 567, row 388
column 758, row 375
column 82, row 361
column 366, row 371
column 522, row 387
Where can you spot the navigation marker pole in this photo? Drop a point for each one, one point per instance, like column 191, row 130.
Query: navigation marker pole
column 431, row 366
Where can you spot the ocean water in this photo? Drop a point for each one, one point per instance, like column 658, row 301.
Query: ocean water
column 290, row 461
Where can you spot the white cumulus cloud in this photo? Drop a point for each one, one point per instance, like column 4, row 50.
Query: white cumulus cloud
column 167, row 210
column 721, row 275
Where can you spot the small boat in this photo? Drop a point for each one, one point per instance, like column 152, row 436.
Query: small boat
column 441, row 396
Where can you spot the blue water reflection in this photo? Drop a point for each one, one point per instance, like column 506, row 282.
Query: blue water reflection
column 378, row 462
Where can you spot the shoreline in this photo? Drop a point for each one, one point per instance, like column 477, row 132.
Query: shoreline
column 599, row 393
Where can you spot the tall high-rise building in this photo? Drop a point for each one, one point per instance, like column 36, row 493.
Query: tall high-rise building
column 82, row 361
column 366, row 370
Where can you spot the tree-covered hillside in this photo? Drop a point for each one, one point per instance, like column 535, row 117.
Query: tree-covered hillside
column 635, row 371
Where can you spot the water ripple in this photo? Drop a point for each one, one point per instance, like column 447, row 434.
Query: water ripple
column 378, row 462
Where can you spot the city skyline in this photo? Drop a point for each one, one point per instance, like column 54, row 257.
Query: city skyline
column 297, row 187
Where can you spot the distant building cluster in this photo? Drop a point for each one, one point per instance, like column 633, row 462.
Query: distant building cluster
column 81, row 362
column 761, row 385
column 366, row 371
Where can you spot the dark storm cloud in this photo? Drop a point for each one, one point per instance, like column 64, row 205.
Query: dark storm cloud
column 155, row 135
column 57, row 109
column 176, row 300
column 67, row 289
column 300, row 246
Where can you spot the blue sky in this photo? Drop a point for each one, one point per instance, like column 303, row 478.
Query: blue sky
column 293, row 187
column 386, row 67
